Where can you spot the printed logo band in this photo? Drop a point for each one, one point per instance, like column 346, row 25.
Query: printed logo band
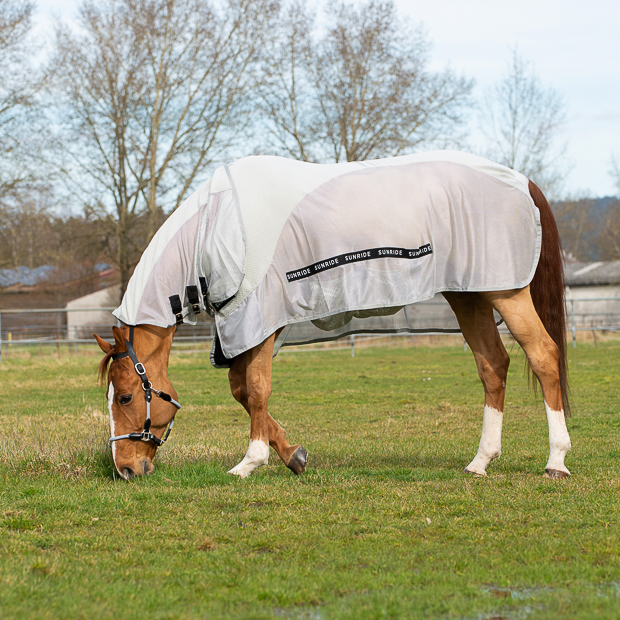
column 356, row 257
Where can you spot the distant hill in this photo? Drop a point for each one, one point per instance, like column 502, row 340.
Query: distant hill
column 582, row 224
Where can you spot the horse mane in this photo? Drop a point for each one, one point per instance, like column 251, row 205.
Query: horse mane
column 102, row 370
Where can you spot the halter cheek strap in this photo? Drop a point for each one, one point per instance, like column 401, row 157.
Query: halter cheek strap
column 149, row 390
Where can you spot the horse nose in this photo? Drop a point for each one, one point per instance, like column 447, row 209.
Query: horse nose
column 147, row 467
column 128, row 472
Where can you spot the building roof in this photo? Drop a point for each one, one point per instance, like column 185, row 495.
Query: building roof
column 24, row 275
column 592, row 274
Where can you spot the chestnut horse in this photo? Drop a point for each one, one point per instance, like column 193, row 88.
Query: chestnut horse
column 137, row 364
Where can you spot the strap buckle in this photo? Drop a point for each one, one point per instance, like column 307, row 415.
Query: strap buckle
column 177, row 308
column 192, row 297
column 140, row 369
column 205, row 296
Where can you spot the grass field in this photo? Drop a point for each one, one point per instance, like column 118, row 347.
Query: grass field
column 382, row 525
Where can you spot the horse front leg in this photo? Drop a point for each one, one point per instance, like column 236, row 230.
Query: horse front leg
column 475, row 317
column 250, row 383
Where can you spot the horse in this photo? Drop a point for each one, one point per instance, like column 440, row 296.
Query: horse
column 271, row 242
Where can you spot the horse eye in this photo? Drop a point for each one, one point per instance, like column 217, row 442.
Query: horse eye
column 125, row 399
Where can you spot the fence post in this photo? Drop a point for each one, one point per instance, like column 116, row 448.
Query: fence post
column 0, row 337
column 352, row 345
column 572, row 313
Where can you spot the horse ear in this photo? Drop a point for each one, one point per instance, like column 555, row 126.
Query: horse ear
column 121, row 343
column 106, row 347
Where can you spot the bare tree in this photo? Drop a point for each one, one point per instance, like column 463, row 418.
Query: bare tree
column 19, row 83
column 520, row 119
column 285, row 91
column 577, row 225
column 24, row 225
column 151, row 93
column 615, row 172
column 99, row 76
column 362, row 90
column 195, row 106
column 609, row 239
column 33, row 234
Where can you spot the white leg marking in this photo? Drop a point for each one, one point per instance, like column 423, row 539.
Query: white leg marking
column 257, row 455
column 490, row 446
column 559, row 440
column 112, row 433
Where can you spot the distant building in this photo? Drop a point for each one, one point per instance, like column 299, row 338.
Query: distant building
column 590, row 292
column 90, row 319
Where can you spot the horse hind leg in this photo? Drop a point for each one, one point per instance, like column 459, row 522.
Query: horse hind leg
column 250, row 382
column 518, row 312
column 475, row 317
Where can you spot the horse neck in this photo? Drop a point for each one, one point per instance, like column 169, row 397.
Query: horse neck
column 152, row 345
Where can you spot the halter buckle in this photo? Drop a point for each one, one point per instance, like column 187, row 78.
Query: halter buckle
column 140, row 369
column 146, row 436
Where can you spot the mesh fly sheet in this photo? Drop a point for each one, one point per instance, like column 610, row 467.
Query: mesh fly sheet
column 327, row 250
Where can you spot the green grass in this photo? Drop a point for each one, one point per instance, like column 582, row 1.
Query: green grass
column 382, row 525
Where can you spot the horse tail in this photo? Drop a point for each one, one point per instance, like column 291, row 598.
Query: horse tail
column 547, row 288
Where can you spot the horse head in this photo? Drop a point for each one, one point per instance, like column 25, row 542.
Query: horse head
column 141, row 400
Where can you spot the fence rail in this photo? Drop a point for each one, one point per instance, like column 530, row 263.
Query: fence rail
column 55, row 331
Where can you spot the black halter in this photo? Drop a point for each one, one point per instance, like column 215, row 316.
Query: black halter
column 148, row 388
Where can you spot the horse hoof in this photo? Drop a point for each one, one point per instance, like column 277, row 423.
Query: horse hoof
column 298, row 461
column 469, row 472
column 556, row 474
column 239, row 472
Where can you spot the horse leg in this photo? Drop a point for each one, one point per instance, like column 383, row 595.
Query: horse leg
column 475, row 317
column 518, row 312
column 250, row 383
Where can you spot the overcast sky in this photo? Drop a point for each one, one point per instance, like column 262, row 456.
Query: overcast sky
column 573, row 45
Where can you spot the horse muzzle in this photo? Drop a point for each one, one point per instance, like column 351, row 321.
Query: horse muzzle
column 141, row 467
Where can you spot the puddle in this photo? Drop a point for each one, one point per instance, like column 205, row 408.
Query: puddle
column 603, row 590
column 516, row 594
column 298, row 614
column 507, row 614
column 607, row 590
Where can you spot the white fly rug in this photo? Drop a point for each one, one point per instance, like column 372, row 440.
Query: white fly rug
column 281, row 242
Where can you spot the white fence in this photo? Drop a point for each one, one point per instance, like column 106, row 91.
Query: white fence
column 52, row 329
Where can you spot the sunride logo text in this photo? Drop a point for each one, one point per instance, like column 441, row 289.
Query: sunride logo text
column 356, row 257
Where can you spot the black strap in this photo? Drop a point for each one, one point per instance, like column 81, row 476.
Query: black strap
column 118, row 356
column 146, row 435
column 192, row 297
column 139, row 368
column 177, row 308
column 218, row 305
column 205, row 290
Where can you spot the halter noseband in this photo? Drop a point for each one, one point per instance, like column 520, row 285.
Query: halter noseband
column 148, row 388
